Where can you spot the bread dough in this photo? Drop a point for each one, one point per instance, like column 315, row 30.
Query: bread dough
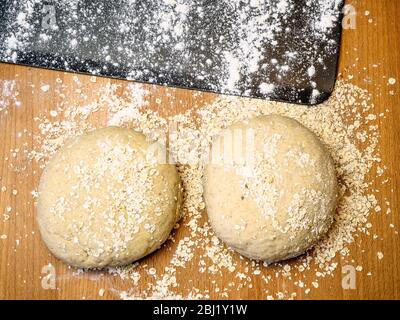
column 104, row 200
column 278, row 203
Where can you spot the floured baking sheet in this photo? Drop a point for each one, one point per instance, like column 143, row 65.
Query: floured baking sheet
column 280, row 49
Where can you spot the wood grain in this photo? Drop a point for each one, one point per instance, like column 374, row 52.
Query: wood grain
column 370, row 55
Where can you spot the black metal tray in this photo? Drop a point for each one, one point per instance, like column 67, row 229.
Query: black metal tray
column 229, row 47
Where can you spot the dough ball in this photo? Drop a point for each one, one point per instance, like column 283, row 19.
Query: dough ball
column 104, row 200
column 270, row 189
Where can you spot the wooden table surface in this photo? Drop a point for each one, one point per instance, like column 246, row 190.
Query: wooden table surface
column 369, row 56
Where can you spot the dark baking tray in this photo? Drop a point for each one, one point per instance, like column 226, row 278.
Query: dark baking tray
column 86, row 37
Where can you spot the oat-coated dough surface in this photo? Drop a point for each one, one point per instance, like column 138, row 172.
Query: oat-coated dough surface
column 104, row 202
column 279, row 205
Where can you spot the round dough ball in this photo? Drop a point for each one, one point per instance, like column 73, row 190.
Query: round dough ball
column 270, row 188
column 104, row 200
